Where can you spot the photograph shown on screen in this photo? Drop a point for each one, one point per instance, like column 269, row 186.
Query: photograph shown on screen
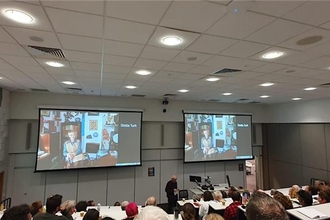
column 217, row 137
column 72, row 139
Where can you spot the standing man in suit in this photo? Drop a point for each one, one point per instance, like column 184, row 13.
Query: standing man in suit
column 171, row 190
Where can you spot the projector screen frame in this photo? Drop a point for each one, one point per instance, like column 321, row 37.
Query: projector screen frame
column 84, row 109
column 184, row 112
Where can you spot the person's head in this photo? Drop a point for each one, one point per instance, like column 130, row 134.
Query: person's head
column 69, row 206
column 151, row 201
column 173, row 178
column 131, row 210
column 123, row 205
column 224, row 194
column 108, row 218
column 213, row 216
column 21, row 212
column 206, row 132
column 152, row 213
column 81, row 206
column 36, row 207
column 284, row 200
column 231, row 190
column 311, row 189
column 53, row 204
column 263, row 207
column 207, row 196
column 324, row 197
column 91, row 203
column 116, row 204
column 72, row 135
column 236, row 196
column 188, row 212
column 293, row 191
column 92, row 214
column 217, row 195
column 305, row 198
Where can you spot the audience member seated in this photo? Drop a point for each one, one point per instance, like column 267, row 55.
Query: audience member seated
column 284, row 200
column 91, row 214
column 21, row 212
column 324, row 197
column 224, row 194
column 311, row 189
column 123, row 205
column 91, row 203
column 68, row 208
column 116, row 204
column 152, row 213
column 217, row 196
column 214, row 216
column 131, row 211
column 204, row 205
column 293, row 191
column 53, row 204
column 231, row 190
column 305, row 198
column 36, row 207
column 81, row 206
column 188, row 212
column 151, row 201
column 263, row 207
column 231, row 211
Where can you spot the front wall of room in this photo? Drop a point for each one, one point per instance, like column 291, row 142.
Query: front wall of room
column 109, row 185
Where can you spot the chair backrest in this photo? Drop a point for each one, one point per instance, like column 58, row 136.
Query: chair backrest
column 183, row 194
column 228, row 181
column 6, row 203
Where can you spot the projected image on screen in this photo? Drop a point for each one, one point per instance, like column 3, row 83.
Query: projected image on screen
column 217, row 137
column 71, row 139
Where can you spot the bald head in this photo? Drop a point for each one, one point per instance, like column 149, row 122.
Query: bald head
column 173, row 178
column 151, row 201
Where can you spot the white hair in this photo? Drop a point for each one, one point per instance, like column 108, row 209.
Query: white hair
column 124, row 204
column 152, row 213
column 218, row 194
column 69, row 204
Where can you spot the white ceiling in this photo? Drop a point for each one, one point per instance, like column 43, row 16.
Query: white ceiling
column 106, row 42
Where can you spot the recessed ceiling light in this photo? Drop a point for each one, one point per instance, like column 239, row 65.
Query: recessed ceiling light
column 18, row 16
column 266, row 84
column 272, row 55
column 54, row 64
column 171, row 40
column 213, row 79
column 227, row 93
column 131, row 87
column 1, row 77
column 183, row 90
column 68, row 83
column 309, row 88
column 264, row 96
column 143, row 72
column 296, row 99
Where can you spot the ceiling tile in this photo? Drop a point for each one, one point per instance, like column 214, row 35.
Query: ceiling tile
column 275, row 8
column 209, row 14
column 169, row 74
column 119, row 60
column 112, row 76
column 322, row 63
column 270, row 67
column 76, row 23
column 292, row 43
column 161, row 32
column 59, row 71
column 159, row 53
column 142, row 11
column 23, row 37
column 78, row 43
column 122, row 49
column 157, row 79
column 5, row 37
column 190, row 76
column 41, row 21
column 239, row 25
column 326, row 25
column 116, row 69
column 211, row 44
column 150, row 64
column 204, row 70
column 17, row 60
column 42, row 62
column 12, row 49
column 277, row 32
column 184, row 56
column 78, row 56
column 86, row 66
column 127, row 31
column 319, row 50
column 297, row 58
column 179, row 67
column 92, row 7
column 319, row 10
column 244, row 49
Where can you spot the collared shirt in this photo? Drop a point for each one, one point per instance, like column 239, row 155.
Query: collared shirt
column 231, row 211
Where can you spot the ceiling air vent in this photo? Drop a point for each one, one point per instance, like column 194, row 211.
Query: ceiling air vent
column 214, row 100
column 226, row 70
column 138, row 95
column 48, row 50
column 169, row 95
column 325, row 85
column 39, row 90
column 242, row 100
column 254, row 102
column 74, row 89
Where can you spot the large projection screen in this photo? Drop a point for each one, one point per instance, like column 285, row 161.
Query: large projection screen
column 76, row 139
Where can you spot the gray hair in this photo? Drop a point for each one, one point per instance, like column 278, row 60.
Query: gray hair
column 217, row 194
column 151, row 201
column 68, row 204
column 263, row 207
column 152, row 213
